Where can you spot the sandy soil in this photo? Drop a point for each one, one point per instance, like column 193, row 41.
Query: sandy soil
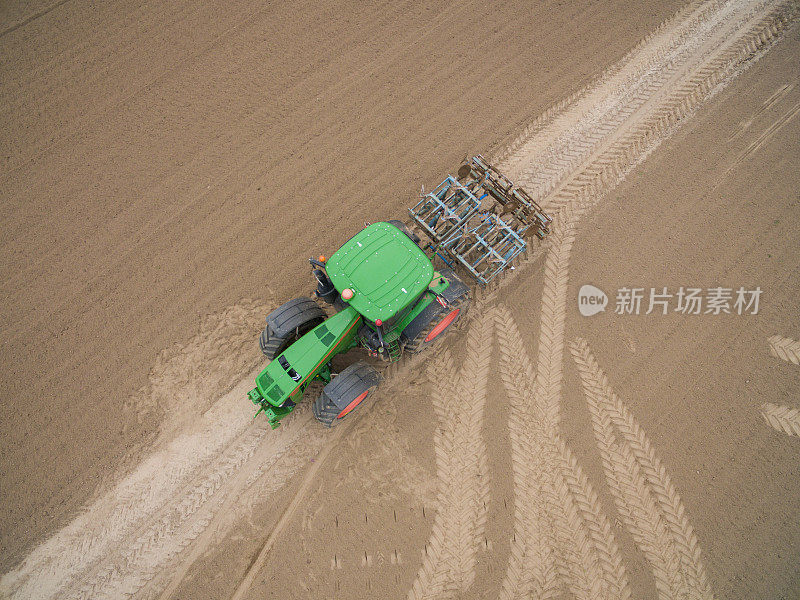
column 122, row 230
column 163, row 162
column 715, row 205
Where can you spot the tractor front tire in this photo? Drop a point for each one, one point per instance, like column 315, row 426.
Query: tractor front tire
column 344, row 393
column 287, row 324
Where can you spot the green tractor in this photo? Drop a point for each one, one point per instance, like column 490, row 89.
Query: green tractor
column 385, row 294
column 388, row 300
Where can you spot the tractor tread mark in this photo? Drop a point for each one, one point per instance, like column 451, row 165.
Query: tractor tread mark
column 606, row 164
column 643, row 492
column 562, row 535
column 459, row 400
column 786, row 349
column 782, row 418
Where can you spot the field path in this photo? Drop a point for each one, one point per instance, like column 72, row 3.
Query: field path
column 643, row 492
column 569, row 159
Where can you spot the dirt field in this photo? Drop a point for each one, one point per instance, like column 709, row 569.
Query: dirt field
column 163, row 165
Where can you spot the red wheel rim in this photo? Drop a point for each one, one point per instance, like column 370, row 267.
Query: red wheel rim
column 353, row 404
column 443, row 324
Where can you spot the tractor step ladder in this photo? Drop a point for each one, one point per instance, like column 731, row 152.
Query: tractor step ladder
column 479, row 219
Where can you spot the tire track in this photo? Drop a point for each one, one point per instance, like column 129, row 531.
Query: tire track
column 608, row 162
column 643, row 492
column 564, row 141
column 562, row 537
column 785, row 348
column 782, row 418
column 510, row 156
column 247, row 581
column 532, row 564
column 131, row 549
column 616, row 161
column 126, row 537
column 459, row 399
column 588, row 143
column 220, row 516
column 124, row 519
column 570, row 160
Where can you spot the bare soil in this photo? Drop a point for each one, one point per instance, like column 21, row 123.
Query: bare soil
column 163, row 162
column 168, row 169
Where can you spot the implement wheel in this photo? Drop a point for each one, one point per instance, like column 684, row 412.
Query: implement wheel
column 344, row 393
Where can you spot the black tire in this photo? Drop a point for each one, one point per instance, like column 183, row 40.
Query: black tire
column 422, row 341
column 405, row 229
column 345, row 392
column 287, row 324
column 435, row 320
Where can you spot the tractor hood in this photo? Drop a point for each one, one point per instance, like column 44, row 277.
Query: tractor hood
column 384, row 268
column 295, row 368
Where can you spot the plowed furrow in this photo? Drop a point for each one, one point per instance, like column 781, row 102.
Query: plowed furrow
column 569, row 159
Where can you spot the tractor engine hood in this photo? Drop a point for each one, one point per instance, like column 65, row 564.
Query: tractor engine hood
column 289, row 374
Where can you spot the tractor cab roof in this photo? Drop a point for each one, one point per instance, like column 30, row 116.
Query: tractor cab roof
column 384, row 268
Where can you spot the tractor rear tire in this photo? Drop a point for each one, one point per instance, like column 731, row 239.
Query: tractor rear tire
column 438, row 319
column 287, row 324
column 344, row 393
column 445, row 318
column 405, row 229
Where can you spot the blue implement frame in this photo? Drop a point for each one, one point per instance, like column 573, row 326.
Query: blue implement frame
column 460, row 217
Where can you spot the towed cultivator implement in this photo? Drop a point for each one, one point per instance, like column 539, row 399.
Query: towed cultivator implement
column 386, row 297
column 479, row 219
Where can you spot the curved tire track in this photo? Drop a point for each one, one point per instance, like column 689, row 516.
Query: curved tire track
column 562, row 537
column 459, row 400
column 532, row 569
column 785, row 348
column 571, row 159
column 643, row 492
column 782, row 418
